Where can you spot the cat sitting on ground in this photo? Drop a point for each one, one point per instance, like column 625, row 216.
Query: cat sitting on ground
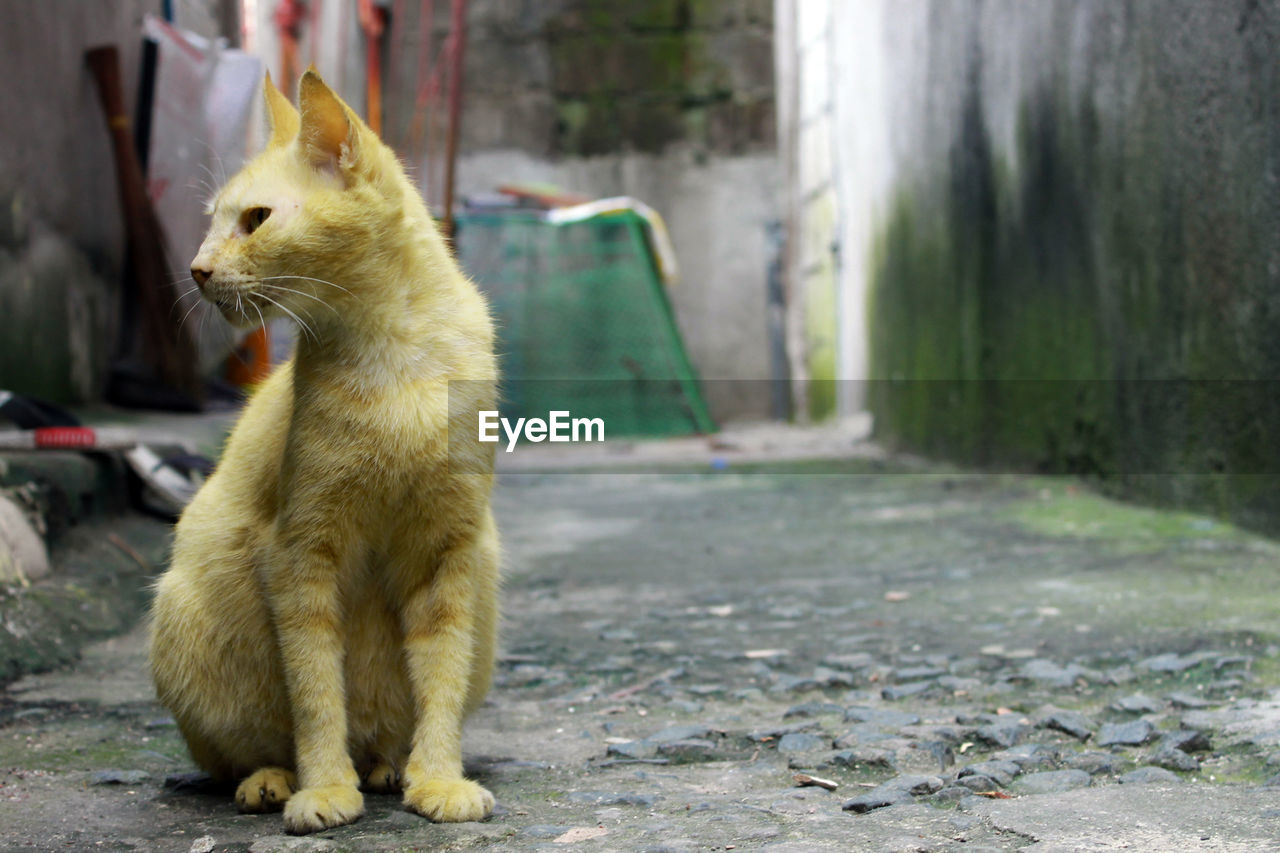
column 330, row 614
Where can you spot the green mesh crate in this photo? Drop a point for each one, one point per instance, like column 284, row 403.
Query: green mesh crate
column 584, row 324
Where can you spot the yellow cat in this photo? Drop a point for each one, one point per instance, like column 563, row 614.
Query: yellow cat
column 331, row 611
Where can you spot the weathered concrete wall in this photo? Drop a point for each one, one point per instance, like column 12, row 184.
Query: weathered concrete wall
column 61, row 230
column 670, row 101
column 61, row 235
column 1081, row 240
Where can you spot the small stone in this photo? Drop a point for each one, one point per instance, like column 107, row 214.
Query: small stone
column 776, row 732
column 1186, row 740
column 864, row 733
column 1030, row 756
column 915, row 785
column 1001, row 736
column 119, row 777
column 852, row 660
column 1094, row 763
column 1002, row 771
column 289, row 844
column 1070, row 722
column 612, row 798
column 950, row 795
column 688, row 751
column 203, row 844
column 1050, row 674
column 1138, row 703
column 675, row 733
column 959, row 684
column 794, row 684
column 877, row 799
column 1054, row 781
column 813, row 709
column 864, row 757
column 894, row 692
column 1174, row 759
column 1148, row 775
column 1187, row 700
column 1134, row 733
column 748, row 694
column 638, row 749
column 879, row 717
column 827, row 677
column 978, row 783
column 919, row 673
column 802, row 742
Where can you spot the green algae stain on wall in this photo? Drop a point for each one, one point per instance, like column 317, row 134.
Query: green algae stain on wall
column 1060, row 315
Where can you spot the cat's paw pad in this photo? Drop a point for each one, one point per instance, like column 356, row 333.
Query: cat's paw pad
column 449, row 800
column 382, row 779
column 314, row 809
column 266, row 790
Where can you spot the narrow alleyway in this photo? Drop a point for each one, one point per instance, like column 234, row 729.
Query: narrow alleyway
column 979, row 662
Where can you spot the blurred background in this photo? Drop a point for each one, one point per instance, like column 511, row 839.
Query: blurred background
column 1043, row 235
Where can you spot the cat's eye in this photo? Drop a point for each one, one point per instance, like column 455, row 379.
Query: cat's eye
column 253, row 217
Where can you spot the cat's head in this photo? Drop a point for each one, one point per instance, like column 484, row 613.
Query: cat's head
column 289, row 231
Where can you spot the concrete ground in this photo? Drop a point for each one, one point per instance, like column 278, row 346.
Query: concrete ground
column 976, row 662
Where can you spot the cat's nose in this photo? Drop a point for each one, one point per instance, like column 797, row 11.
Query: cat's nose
column 201, row 275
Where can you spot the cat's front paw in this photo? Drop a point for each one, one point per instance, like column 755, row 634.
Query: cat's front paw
column 449, row 800
column 314, row 809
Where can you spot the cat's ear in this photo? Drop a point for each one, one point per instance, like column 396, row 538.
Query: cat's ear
column 281, row 115
column 329, row 135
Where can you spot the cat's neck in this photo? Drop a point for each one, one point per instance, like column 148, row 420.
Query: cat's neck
column 400, row 321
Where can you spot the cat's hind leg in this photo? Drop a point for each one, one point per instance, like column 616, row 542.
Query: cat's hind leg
column 266, row 790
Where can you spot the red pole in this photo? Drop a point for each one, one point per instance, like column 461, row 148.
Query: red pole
column 458, row 25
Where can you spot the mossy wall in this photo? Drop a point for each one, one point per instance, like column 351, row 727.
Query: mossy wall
column 1097, row 291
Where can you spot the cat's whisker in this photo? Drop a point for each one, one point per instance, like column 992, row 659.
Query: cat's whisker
column 284, row 289
column 177, row 303
column 307, row 330
column 183, row 321
column 305, row 278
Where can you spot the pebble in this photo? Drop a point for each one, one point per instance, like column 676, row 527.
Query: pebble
column 1094, row 763
column 689, row 750
column 776, row 732
column 802, row 742
column 1051, row 674
column 638, row 749
column 861, row 734
column 613, row 798
column 877, row 799
column 1187, row 700
column 864, row 757
column 794, row 684
column 879, row 717
column 1148, row 775
column 119, row 777
column 1186, row 740
column 1001, row 735
column 812, row 709
column 1053, row 781
column 1030, row 756
column 895, row 692
column 977, row 783
column 1174, row 759
column 1134, row 733
column 1138, row 703
column 1001, row 771
column 1073, row 723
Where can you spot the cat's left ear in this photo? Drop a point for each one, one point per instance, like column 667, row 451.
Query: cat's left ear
column 329, row 136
